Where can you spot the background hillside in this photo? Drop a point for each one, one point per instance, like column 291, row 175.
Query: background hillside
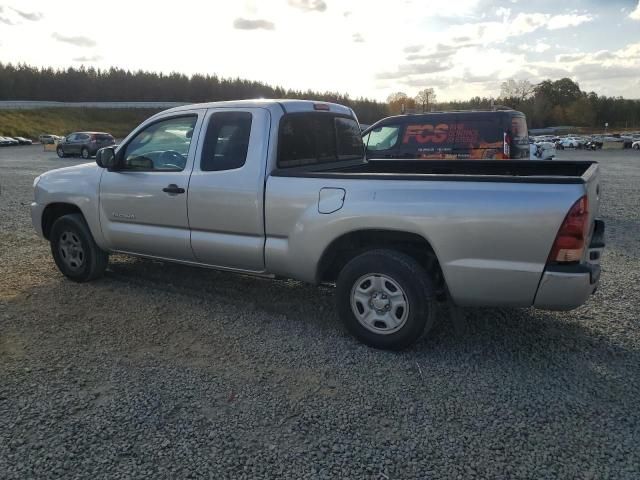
column 559, row 102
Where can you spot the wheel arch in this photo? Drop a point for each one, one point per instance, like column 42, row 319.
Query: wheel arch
column 53, row 211
column 341, row 250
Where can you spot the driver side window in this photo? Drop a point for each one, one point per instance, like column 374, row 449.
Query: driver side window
column 161, row 147
column 382, row 138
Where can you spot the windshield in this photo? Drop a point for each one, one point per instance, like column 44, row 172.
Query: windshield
column 313, row 138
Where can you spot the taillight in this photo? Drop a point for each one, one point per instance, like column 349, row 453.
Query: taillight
column 571, row 238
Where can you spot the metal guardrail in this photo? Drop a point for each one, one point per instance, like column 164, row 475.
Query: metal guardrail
column 33, row 104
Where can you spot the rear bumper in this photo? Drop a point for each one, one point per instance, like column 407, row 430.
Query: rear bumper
column 565, row 287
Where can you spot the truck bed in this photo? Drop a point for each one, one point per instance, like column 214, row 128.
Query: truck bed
column 523, row 171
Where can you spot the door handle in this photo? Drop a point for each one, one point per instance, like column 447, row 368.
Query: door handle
column 173, row 188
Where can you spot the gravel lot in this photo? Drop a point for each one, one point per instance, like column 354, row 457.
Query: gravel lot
column 165, row 371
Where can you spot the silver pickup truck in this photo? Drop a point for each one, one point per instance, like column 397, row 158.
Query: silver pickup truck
column 282, row 189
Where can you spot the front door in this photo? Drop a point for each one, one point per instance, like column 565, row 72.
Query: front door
column 143, row 204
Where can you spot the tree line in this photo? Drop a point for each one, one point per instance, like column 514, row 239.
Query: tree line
column 24, row 82
column 548, row 103
column 559, row 102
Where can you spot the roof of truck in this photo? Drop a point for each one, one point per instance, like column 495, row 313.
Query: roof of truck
column 287, row 105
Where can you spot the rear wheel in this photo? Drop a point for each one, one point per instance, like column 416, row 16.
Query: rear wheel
column 386, row 299
column 75, row 251
column 85, row 152
column 60, row 152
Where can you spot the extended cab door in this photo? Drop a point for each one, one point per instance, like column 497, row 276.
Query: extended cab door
column 226, row 191
column 143, row 203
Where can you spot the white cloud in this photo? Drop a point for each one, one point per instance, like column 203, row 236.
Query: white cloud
column 538, row 47
column 463, row 47
column 564, row 21
column 635, row 15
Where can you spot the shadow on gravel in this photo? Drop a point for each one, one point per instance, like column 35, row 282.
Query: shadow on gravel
column 272, row 296
column 526, row 336
column 291, row 316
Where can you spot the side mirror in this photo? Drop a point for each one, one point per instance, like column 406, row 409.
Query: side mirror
column 106, row 157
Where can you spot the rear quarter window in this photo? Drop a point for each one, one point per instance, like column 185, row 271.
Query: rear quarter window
column 315, row 138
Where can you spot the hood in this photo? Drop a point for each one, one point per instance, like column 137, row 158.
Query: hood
column 74, row 170
column 68, row 184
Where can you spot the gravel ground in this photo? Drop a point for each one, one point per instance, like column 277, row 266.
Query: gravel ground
column 164, row 371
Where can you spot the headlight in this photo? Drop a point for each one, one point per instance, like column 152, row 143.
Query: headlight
column 36, row 180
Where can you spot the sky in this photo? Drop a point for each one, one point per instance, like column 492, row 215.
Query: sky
column 370, row 48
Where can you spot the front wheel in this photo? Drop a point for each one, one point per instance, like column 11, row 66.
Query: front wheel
column 85, row 152
column 636, row 147
column 60, row 152
column 75, row 251
column 386, row 299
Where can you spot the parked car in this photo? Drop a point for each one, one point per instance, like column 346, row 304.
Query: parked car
column 8, row 141
column 47, row 138
column 569, row 142
column 23, row 140
column 593, row 144
column 85, row 144
column 283, row 189
column 498, row 134
column 628, row 140
column 542, row 151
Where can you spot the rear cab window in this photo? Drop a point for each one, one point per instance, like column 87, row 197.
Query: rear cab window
column 313, row 138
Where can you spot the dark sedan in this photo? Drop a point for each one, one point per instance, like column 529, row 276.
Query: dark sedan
column 85, row 144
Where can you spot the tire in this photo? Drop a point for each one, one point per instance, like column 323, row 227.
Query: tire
column 60, row 152
column 85, row 153
column 75, row 251
column 636, row 147
column 378, row 276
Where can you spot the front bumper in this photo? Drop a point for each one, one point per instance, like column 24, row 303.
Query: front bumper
column 565, row 287
column 36, row 217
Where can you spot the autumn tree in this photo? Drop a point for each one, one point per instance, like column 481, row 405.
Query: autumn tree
column 400, row 102
column 397, row 97
column 426, row 97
